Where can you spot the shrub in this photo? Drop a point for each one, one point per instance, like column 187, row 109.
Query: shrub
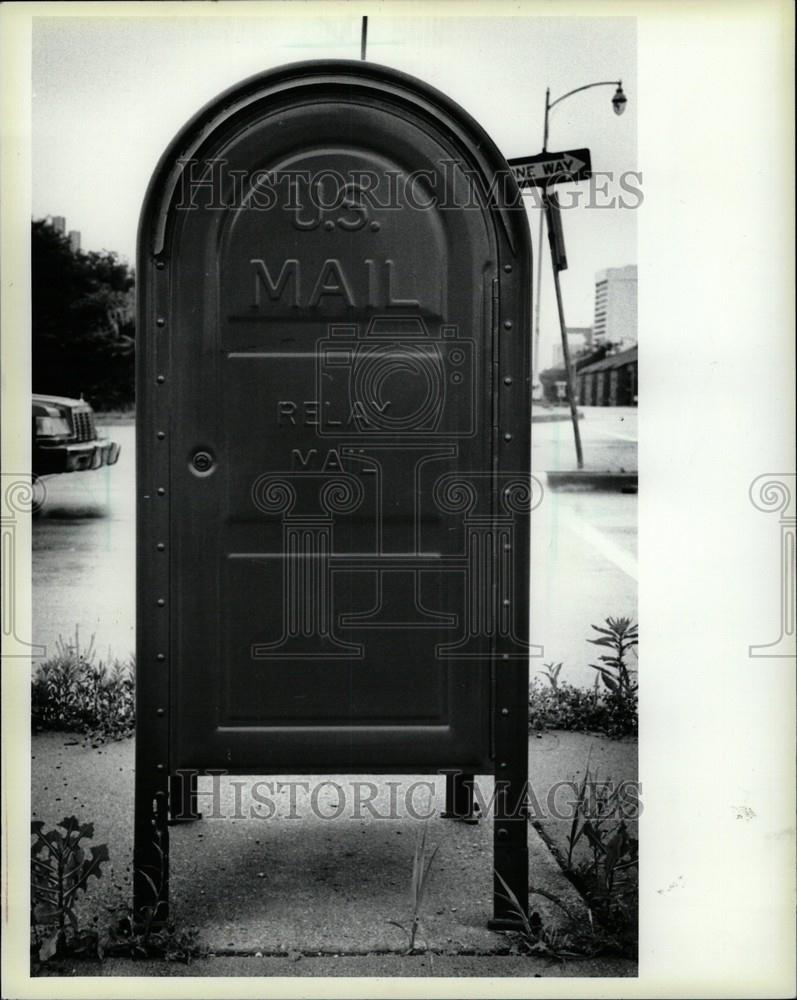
column 74, row 691
column 609, row 706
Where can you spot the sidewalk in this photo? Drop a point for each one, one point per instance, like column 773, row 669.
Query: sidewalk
column 298, row 894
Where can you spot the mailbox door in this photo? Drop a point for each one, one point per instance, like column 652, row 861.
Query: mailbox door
column 330, row 564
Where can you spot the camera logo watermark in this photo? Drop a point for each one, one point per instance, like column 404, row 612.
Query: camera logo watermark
column 382, row 493
column 774, row 493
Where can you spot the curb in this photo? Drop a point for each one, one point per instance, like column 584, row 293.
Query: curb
column 592, row 479
column 551, row 418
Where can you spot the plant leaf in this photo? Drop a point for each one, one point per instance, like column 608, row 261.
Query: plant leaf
column 44, row 914
column 49, row 946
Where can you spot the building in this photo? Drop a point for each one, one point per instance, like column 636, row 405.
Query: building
column 612, row 381
column 579, row 339
column 58, row 222
column 616, row 307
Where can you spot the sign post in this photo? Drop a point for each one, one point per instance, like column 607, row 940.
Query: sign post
column 559, row 263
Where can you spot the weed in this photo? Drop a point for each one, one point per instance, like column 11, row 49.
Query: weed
column 537, row 937
column 164, row 940
column 621, row 637
column 74, row 691
column 60, row 870
column 551, row 673
column 577, row 938
column 421, row 867
column 609, row 706
column 149, row 934
column 608, row 876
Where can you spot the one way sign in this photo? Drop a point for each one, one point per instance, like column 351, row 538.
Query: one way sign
column 551, row 168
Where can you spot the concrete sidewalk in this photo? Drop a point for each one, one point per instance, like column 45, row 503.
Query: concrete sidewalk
column 297, row 885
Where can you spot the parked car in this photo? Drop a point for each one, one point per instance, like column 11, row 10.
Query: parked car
column 65, row 437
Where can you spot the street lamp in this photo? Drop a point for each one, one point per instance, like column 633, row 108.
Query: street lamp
column 619, row 101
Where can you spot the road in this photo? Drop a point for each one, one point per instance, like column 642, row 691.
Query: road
column 584, row 543
column 583, row 548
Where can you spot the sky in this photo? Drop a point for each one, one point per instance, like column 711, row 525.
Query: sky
column 109, row 93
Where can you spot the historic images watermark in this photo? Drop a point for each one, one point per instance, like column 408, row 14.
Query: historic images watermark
column 328, row 196
column 219, row 795
column 774, row 493
column 23, row 496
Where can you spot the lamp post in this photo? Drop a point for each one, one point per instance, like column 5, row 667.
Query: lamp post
column 619, row 101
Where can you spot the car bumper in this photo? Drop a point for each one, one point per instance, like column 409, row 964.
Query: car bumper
column 79, row 457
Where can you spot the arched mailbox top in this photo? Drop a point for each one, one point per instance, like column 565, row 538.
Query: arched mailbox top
column 316, row 81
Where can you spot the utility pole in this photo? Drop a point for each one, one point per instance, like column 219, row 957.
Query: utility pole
column 558, row 260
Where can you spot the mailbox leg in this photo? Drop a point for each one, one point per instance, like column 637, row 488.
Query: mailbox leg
column 151, row 853
column 460, row 803
column 510, row 817
column 183, row 797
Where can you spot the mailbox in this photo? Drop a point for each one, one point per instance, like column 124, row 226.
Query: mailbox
column 333, row 447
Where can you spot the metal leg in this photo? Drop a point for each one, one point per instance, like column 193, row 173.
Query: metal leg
column 183, row 797
column 460, row 803
column 510, row 818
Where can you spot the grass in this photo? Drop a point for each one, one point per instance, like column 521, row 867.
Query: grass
column 422, row 862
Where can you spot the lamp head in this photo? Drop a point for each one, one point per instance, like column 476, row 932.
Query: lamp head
column 619, row 100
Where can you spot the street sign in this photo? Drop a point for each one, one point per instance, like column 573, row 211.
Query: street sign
column 333, row 452
column 545, row 169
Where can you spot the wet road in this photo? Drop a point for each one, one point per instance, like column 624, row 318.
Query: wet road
column 583, row 548
column 584, row 543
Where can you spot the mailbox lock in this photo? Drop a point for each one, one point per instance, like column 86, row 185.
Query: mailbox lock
column 202, row 461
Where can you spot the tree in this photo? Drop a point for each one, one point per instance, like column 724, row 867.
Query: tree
column 83, row 326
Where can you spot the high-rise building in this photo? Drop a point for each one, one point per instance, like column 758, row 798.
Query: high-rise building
column 616, row 306
column 58, row 223
column 74, row 240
